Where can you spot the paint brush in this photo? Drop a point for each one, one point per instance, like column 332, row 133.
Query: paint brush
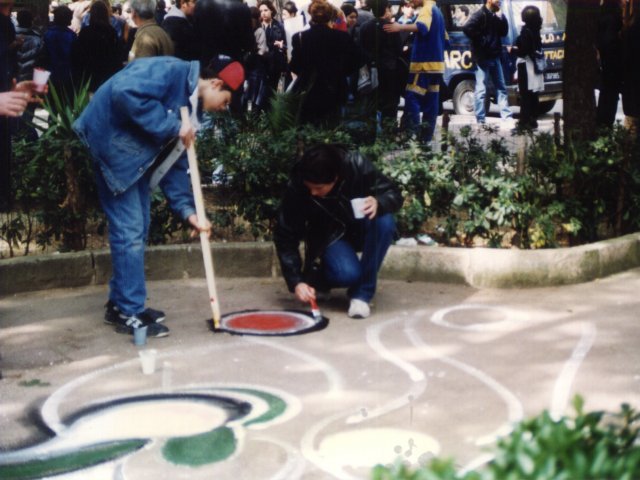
column 315, row 311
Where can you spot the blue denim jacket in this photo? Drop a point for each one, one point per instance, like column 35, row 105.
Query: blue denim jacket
column 132, row 117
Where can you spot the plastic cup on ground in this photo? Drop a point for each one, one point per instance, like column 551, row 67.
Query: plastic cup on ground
column 148, row 360
column 140, row 336
column 357, row 204
column 40, row 78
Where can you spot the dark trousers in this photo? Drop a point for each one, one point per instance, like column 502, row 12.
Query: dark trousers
column 529, row 101
column 343, row 268
column 610, row 89
column 387, row 95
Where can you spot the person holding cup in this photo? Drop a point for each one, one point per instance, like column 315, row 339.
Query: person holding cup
column 338, row 204
column 14, row 102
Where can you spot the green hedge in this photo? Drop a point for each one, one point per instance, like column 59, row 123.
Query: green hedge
column 590, row 445
column 472, row 190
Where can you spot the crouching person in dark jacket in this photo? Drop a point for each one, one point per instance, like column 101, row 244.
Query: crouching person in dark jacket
column 318, row 209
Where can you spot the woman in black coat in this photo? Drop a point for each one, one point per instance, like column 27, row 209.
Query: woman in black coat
column 530, row 83
column 384, row 50
column 223, row 27
column 323, row 58
column 276, row 42
column 97, row 53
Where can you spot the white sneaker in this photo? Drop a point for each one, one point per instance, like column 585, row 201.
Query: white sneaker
column 359, row 309
column 508, row 124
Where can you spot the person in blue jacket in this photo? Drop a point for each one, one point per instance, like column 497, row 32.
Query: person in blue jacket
column 131, row 127
column 425, row 69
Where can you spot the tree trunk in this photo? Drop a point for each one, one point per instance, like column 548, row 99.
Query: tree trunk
column 580, row 70
column 74, row 228
column 631, row 9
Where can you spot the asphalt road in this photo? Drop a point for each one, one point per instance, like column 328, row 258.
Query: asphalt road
column 545, row 121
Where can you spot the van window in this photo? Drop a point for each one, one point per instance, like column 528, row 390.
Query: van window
column 460, row 13
column 549, row 19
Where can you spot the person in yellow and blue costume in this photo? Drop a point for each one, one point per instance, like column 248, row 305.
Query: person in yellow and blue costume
column 425, row 69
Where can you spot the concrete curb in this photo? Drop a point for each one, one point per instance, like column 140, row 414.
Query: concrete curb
column 478, row 267
column 500, row 268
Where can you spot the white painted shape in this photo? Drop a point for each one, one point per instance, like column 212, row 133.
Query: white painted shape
column 50, row 409
column 369, row 447
column 512, row 319
column 515, row 410
column 416, row 375
column 336, row 384
column 148, row 419
column 373, row 339
column 564, row 382
column 312, row 454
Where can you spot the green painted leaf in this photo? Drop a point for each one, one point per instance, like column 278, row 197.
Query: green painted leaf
column 209, row 447
column 69, row 462
column 36, row 382
column 277, row 406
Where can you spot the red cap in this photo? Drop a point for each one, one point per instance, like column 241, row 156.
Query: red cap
column 232, row 75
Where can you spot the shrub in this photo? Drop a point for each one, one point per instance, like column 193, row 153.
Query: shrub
column 475, row 188
column 411, row 168
column 53, row 175
column 54, row 185
column 593, row 445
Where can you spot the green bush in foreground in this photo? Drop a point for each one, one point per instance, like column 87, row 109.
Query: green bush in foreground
column 590, row 445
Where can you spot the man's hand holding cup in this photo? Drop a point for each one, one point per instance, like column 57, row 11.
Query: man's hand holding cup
column 40, row 79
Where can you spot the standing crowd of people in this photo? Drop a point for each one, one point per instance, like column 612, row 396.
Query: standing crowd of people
column 312, row 47
column 323, row 51
column 308, row 46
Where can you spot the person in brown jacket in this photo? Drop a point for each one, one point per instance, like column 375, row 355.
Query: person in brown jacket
column 151, row 39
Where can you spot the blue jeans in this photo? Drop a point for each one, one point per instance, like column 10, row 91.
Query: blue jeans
column 343, row 268
column 493, row 69
column 128, row 215
column 429, row 106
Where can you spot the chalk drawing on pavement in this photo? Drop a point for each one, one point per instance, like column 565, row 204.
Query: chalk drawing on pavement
column 271, row 323
column 492, row 318
column 358, row 420
column 564, row 382
column 192, row 429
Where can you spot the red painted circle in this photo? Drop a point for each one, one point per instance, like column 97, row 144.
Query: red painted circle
column 270, row 322
column 266, row 321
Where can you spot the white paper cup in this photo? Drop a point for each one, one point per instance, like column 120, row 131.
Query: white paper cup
column 357, row 204
column 40, row 78
column 148, row 360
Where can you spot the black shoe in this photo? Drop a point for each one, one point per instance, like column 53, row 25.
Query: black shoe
column 126, row 324
column 150, row 315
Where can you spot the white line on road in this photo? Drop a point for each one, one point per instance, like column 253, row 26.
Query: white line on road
column 564, row 382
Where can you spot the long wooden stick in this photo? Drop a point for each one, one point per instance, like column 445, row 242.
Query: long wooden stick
column 202, row 217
